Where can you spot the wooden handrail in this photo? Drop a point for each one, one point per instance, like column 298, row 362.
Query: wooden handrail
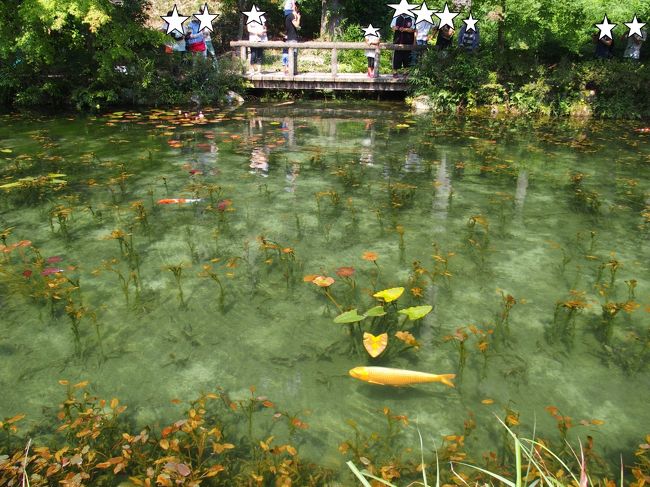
column 325, row 45
column 293, row 46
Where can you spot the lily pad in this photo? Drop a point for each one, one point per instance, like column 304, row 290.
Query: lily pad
column 374, row 345
column 349, row 317
column 416, row 312
column 376, row 311
column 10, row 185
column 389, row 295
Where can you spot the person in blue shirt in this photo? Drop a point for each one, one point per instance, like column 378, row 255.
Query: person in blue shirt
column 194, row 40
column 468, row 40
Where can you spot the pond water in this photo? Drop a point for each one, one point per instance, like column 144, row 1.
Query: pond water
column 523, row 231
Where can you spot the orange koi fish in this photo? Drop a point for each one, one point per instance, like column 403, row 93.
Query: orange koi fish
column 398, row 377
column 171, row 201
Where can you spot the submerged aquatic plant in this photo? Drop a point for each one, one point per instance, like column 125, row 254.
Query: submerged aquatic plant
column 401, row 195
column 191, row 244
column 375, row 336
column 35, row 189
column 126, row 279
column 565, row 315
column 583, row 199
column 372, row 257
column 177, row 271
column 4, row 235
column 62, row 215
column 286, row 257
column 209, row 272
column 503, row 316
column 96, row 447
column 141, row 216
column 610, row 310
column 459, row 337
column 478, row 239
column 127, row 248
column 76, row 312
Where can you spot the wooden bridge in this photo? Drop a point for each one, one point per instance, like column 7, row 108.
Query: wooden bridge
column 332, row 80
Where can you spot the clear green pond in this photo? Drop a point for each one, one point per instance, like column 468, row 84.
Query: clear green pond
column 555, row 214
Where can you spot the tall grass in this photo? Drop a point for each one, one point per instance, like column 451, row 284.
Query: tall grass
column 527, row 455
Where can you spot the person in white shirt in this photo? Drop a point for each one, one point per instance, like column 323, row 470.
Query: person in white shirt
column 290, row 7
column 372, row 41
column 423, row 33
column 257, row 33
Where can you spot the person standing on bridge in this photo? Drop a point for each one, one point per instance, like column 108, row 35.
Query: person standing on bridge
column 257, row 33
column 291, row 25
column 404, row 33
column 290, row 7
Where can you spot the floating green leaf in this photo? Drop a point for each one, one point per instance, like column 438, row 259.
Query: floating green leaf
column 349, row 317
column 10, row 185
column 376, row 311
column 389, row 295
column 416, row 312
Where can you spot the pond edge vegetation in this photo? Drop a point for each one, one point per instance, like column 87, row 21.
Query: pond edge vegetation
column 250, row 441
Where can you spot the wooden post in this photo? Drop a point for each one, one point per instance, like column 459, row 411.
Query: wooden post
column 243, row 58
column 293, row 65
column 377, row 58
column 335, row 64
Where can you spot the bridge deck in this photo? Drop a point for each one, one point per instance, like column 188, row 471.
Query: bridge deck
column 327, row 81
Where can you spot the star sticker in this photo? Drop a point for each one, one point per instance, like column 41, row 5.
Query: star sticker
column 402, row 8
column 423, row 14
column 470, row 23
column 370, row 31
column 446, row 17
column 254, row 15
column 605, row 28
column 206, row 19
column 174, row 21
column 635, row 27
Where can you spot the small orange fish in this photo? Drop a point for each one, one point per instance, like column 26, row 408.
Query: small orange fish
column 171, row 201
column 398, row 377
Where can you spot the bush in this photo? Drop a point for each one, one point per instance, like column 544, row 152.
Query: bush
column 463, row 80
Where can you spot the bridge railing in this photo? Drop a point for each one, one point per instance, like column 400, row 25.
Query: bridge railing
column 334, row 47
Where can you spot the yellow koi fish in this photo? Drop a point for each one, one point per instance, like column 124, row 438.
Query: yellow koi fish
column 398, row 377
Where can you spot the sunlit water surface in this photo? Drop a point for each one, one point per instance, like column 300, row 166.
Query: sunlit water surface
column 328, row 182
